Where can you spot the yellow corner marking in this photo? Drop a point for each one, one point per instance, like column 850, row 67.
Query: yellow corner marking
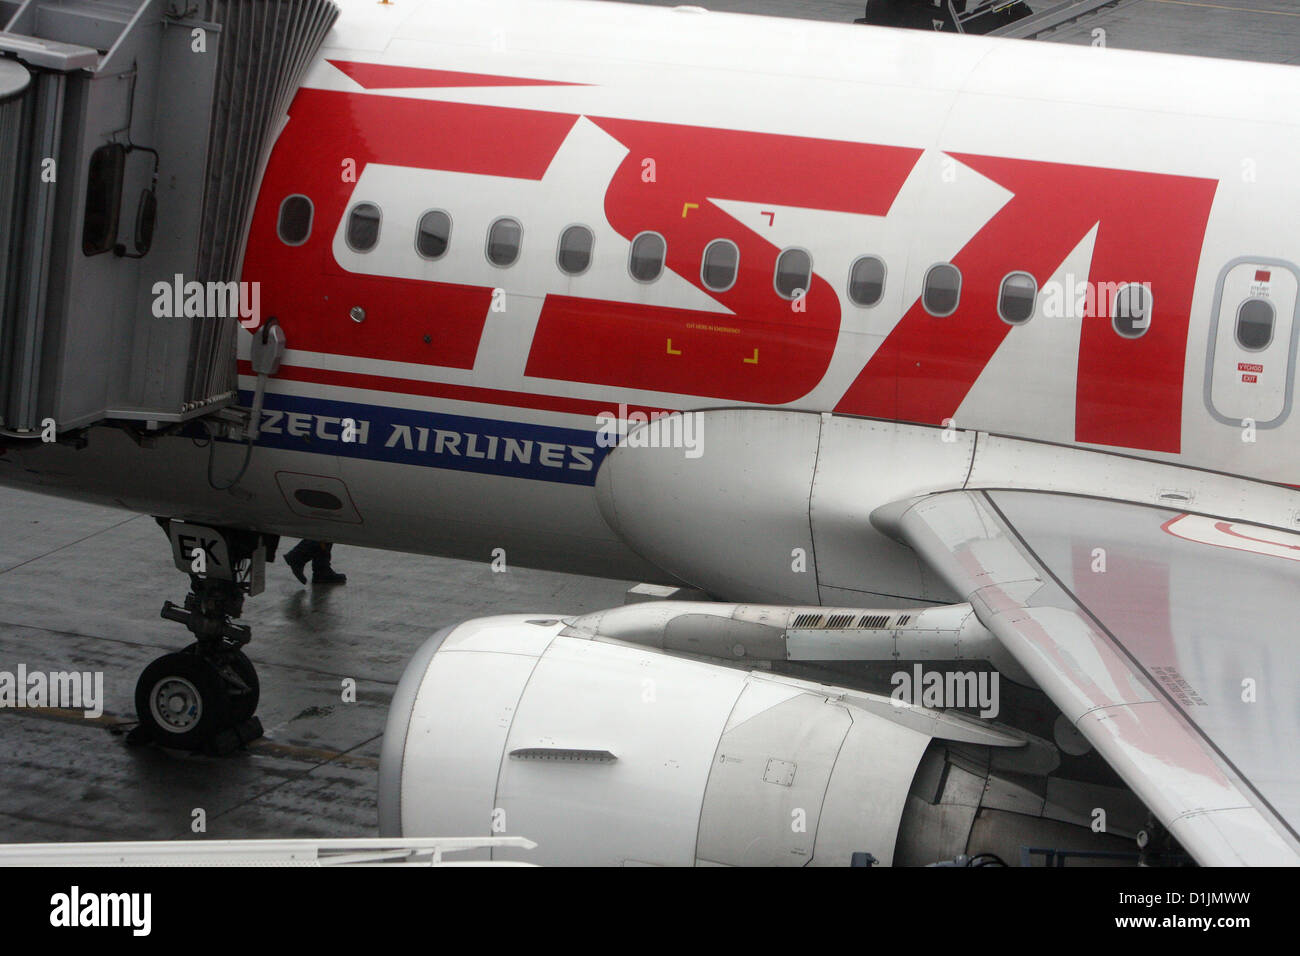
column 671, row 350
column 752, row 361
column 688, row 206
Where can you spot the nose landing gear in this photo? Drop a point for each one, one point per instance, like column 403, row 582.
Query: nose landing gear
column 205, row 697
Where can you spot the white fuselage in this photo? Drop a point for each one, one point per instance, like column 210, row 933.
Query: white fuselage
column 478, row 386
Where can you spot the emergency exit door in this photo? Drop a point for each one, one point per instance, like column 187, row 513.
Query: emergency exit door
column 1250, row 368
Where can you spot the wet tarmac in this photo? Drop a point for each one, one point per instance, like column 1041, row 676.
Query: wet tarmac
column 80, row 589
column 1264, row 30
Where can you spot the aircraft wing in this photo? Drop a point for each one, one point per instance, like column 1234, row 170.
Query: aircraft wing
column 1169, row 640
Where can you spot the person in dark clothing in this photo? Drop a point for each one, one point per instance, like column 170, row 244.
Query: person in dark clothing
column 318, row 553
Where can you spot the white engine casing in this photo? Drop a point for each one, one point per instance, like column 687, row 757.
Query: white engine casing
column 606, row 754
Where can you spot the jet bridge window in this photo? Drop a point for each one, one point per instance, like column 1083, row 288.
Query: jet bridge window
column 866, row 280
column 721, row 261
column 1131, row 312
column 646, row 260
column 1016, row 300
column 433, row 234
column 574, row 253
column 942, row 289
column 294, row 225
column 504, row 238
column 363, row 227
column 793, row 273
column 103, row 199
column 1255, row 321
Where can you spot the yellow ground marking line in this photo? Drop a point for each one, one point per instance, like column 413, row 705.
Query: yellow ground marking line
column 263, row 746
column 1221, row 6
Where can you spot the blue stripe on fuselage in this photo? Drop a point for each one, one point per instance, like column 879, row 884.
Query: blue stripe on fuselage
column 431, row 439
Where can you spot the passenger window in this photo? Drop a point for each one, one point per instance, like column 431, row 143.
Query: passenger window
column 1016, row 300
column 721, row 260
column 1131, row 315
column 1255, row 324
column 942, row 290
column 433, row 234
column 574, row 254
column 866, row 280
column 363, row 227
column 504, row 238
column 646, row 260
column 294, row 225
column 793, row 273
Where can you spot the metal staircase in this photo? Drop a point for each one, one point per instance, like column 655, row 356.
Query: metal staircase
column 133, row 134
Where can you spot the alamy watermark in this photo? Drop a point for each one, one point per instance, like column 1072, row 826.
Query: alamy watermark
column 179, row 299
column 71, row 690
column 639, row 429
column 77, row 909
column 1083, row 299
column 920, row 687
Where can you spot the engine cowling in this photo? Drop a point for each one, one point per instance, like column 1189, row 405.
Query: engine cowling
column 606, row 754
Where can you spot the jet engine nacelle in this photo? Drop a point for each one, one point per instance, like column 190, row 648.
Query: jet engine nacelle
column 604, row 753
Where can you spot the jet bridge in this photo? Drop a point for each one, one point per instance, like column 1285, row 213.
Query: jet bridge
column 133, row 135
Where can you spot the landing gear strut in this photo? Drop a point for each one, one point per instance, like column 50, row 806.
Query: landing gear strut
column 205, row 697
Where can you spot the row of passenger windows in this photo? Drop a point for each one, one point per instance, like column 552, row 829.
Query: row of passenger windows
column 720, row 265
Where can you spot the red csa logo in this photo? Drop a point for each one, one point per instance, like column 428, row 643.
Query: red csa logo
column 577, row 339
column 624, row 343
column 1129, row 391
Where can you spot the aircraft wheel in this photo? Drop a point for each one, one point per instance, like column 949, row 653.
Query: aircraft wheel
column 244, row 706
column 182, row 701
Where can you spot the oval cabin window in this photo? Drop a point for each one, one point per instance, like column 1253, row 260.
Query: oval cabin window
column 942, row 290
column 574, row 254
column 793, row 273
column 867, row 280
column 504, row 238
column 646, row 259
column 1255, row 321
column 721, row 261
column 433, row 234
column 363, row 227
column 1016, row 298
column 294, row 226
column 1131, row 311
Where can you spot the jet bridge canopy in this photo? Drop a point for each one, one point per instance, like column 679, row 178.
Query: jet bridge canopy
column 133, row 134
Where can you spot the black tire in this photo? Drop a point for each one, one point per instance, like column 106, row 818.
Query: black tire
column 182, row 701
column 243, row 706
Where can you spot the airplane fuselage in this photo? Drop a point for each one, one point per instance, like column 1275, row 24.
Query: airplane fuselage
column 484, row 233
